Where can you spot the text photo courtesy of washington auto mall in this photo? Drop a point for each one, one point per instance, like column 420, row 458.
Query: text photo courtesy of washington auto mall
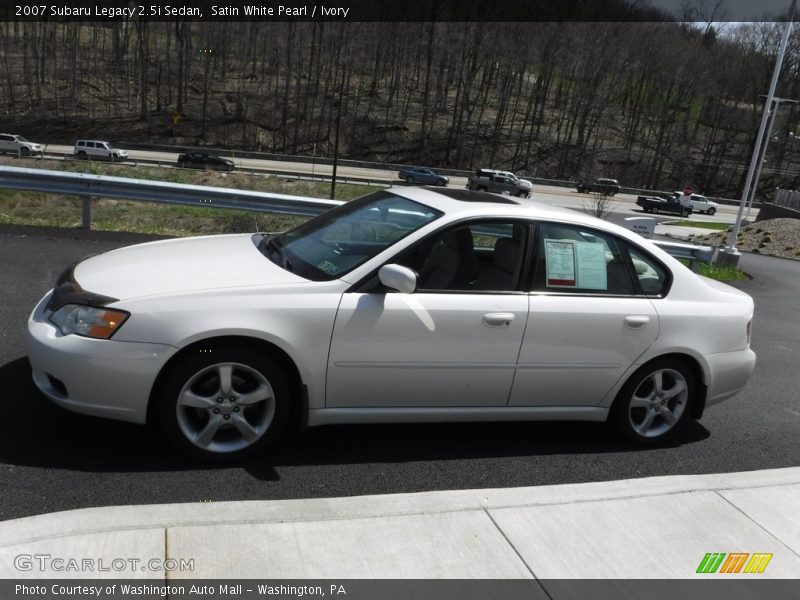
column 433, row 299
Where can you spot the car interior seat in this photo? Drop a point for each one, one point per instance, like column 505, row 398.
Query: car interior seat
column 451, row 265
column 502, row 274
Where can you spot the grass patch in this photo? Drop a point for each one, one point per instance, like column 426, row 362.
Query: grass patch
column 701, row 224
column 30, row 208
column 724, row 273
column 720, row 273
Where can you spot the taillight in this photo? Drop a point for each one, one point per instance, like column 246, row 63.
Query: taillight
column 749, row 331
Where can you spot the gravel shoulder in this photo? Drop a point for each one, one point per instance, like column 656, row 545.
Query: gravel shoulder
column 775, row 237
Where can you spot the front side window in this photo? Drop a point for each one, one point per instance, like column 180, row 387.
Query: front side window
column 335, row 242
column 479, row 256
column 580, row 260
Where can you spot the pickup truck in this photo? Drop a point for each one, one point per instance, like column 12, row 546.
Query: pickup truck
column 491, row 180
column 654, row 204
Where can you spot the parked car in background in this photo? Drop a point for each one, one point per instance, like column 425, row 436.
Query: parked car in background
column 423, row 175
column 98, row 150
column 405, row 305
column 10, row 142
column 700, row 203
column 499, row 182
column 205, row 160
column 671, row 204
column 601, row 185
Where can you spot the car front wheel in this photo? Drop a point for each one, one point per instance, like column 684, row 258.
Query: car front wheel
column 223, row 404
column 710, row 212
column 409, row 180
column 654, row 403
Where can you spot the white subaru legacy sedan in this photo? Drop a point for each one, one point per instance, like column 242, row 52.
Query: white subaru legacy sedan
column 406, row 305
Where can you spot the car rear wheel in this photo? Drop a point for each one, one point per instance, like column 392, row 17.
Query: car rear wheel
column 223, row 404
column 710, row 212
column 654, row 403
column 655, row 210
column 82, row 155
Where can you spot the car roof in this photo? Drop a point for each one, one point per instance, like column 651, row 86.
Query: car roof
column 468, row 204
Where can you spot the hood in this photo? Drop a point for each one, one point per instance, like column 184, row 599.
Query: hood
column 525, row 183
column 180, row 265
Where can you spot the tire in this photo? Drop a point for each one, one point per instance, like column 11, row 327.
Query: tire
column 685, row 213
column 82, row 155
column 24, row 151
column 581, row 190
column 711, row 211
column 482, row 188
column 198, row 411
column 662, row 387
column 521, row 194
column 181, row 165
column 409, row 180
column 441, row 183
column 655, row 210
column 114, row 157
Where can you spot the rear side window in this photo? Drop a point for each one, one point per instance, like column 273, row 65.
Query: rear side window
column 580, row 260
column 652, row 275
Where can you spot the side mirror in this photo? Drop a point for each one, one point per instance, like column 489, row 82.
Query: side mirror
column 398, row 278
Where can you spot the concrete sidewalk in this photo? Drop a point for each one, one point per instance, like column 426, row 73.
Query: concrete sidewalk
column 659, row 527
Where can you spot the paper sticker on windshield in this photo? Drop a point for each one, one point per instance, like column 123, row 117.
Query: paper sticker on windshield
column 560, row 263
column 328, row 267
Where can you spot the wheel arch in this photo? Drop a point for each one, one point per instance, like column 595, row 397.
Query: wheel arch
column 298, row 414
column 694, row 365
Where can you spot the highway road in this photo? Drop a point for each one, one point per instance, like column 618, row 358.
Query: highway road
column 53, row 460
column 563, row 196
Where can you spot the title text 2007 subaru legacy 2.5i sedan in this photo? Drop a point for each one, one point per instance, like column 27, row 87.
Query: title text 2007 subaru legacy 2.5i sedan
column 411, row 304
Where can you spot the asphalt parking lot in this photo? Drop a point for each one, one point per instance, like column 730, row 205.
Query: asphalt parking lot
column 53, row 460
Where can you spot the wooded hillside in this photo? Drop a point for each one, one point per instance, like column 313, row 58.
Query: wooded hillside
column 655, row 105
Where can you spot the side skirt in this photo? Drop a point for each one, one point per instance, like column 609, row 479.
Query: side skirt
column 331, row 416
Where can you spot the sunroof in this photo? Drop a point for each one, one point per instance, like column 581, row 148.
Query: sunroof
column 471, row 195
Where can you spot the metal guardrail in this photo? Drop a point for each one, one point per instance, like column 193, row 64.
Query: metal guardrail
column 693, row 252
column 90, row 186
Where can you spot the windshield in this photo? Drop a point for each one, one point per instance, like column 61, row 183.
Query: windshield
column 21, row 139
column 341, row 239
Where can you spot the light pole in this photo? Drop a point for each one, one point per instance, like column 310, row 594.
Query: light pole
column 729, row 254
column 336, row 134
column 773, row 113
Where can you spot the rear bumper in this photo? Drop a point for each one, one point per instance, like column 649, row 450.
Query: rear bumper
column 729, row 373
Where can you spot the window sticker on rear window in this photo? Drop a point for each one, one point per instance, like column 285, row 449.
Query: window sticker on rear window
column 573, row 264
column 560, row 263
column 328, row 267
column 591, row 259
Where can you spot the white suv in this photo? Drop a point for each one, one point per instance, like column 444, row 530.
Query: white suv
column 700, row 204
column 18, row 144
column 88, row 149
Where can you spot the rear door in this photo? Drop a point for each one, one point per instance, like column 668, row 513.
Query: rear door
column 587, row 323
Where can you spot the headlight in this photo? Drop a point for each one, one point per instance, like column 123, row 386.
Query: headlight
column 89, row 321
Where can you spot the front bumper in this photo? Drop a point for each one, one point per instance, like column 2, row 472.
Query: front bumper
column 103, row 378
column 729, row 373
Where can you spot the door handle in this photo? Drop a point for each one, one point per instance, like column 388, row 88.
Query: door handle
column 637, row 321
column 498, row 319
